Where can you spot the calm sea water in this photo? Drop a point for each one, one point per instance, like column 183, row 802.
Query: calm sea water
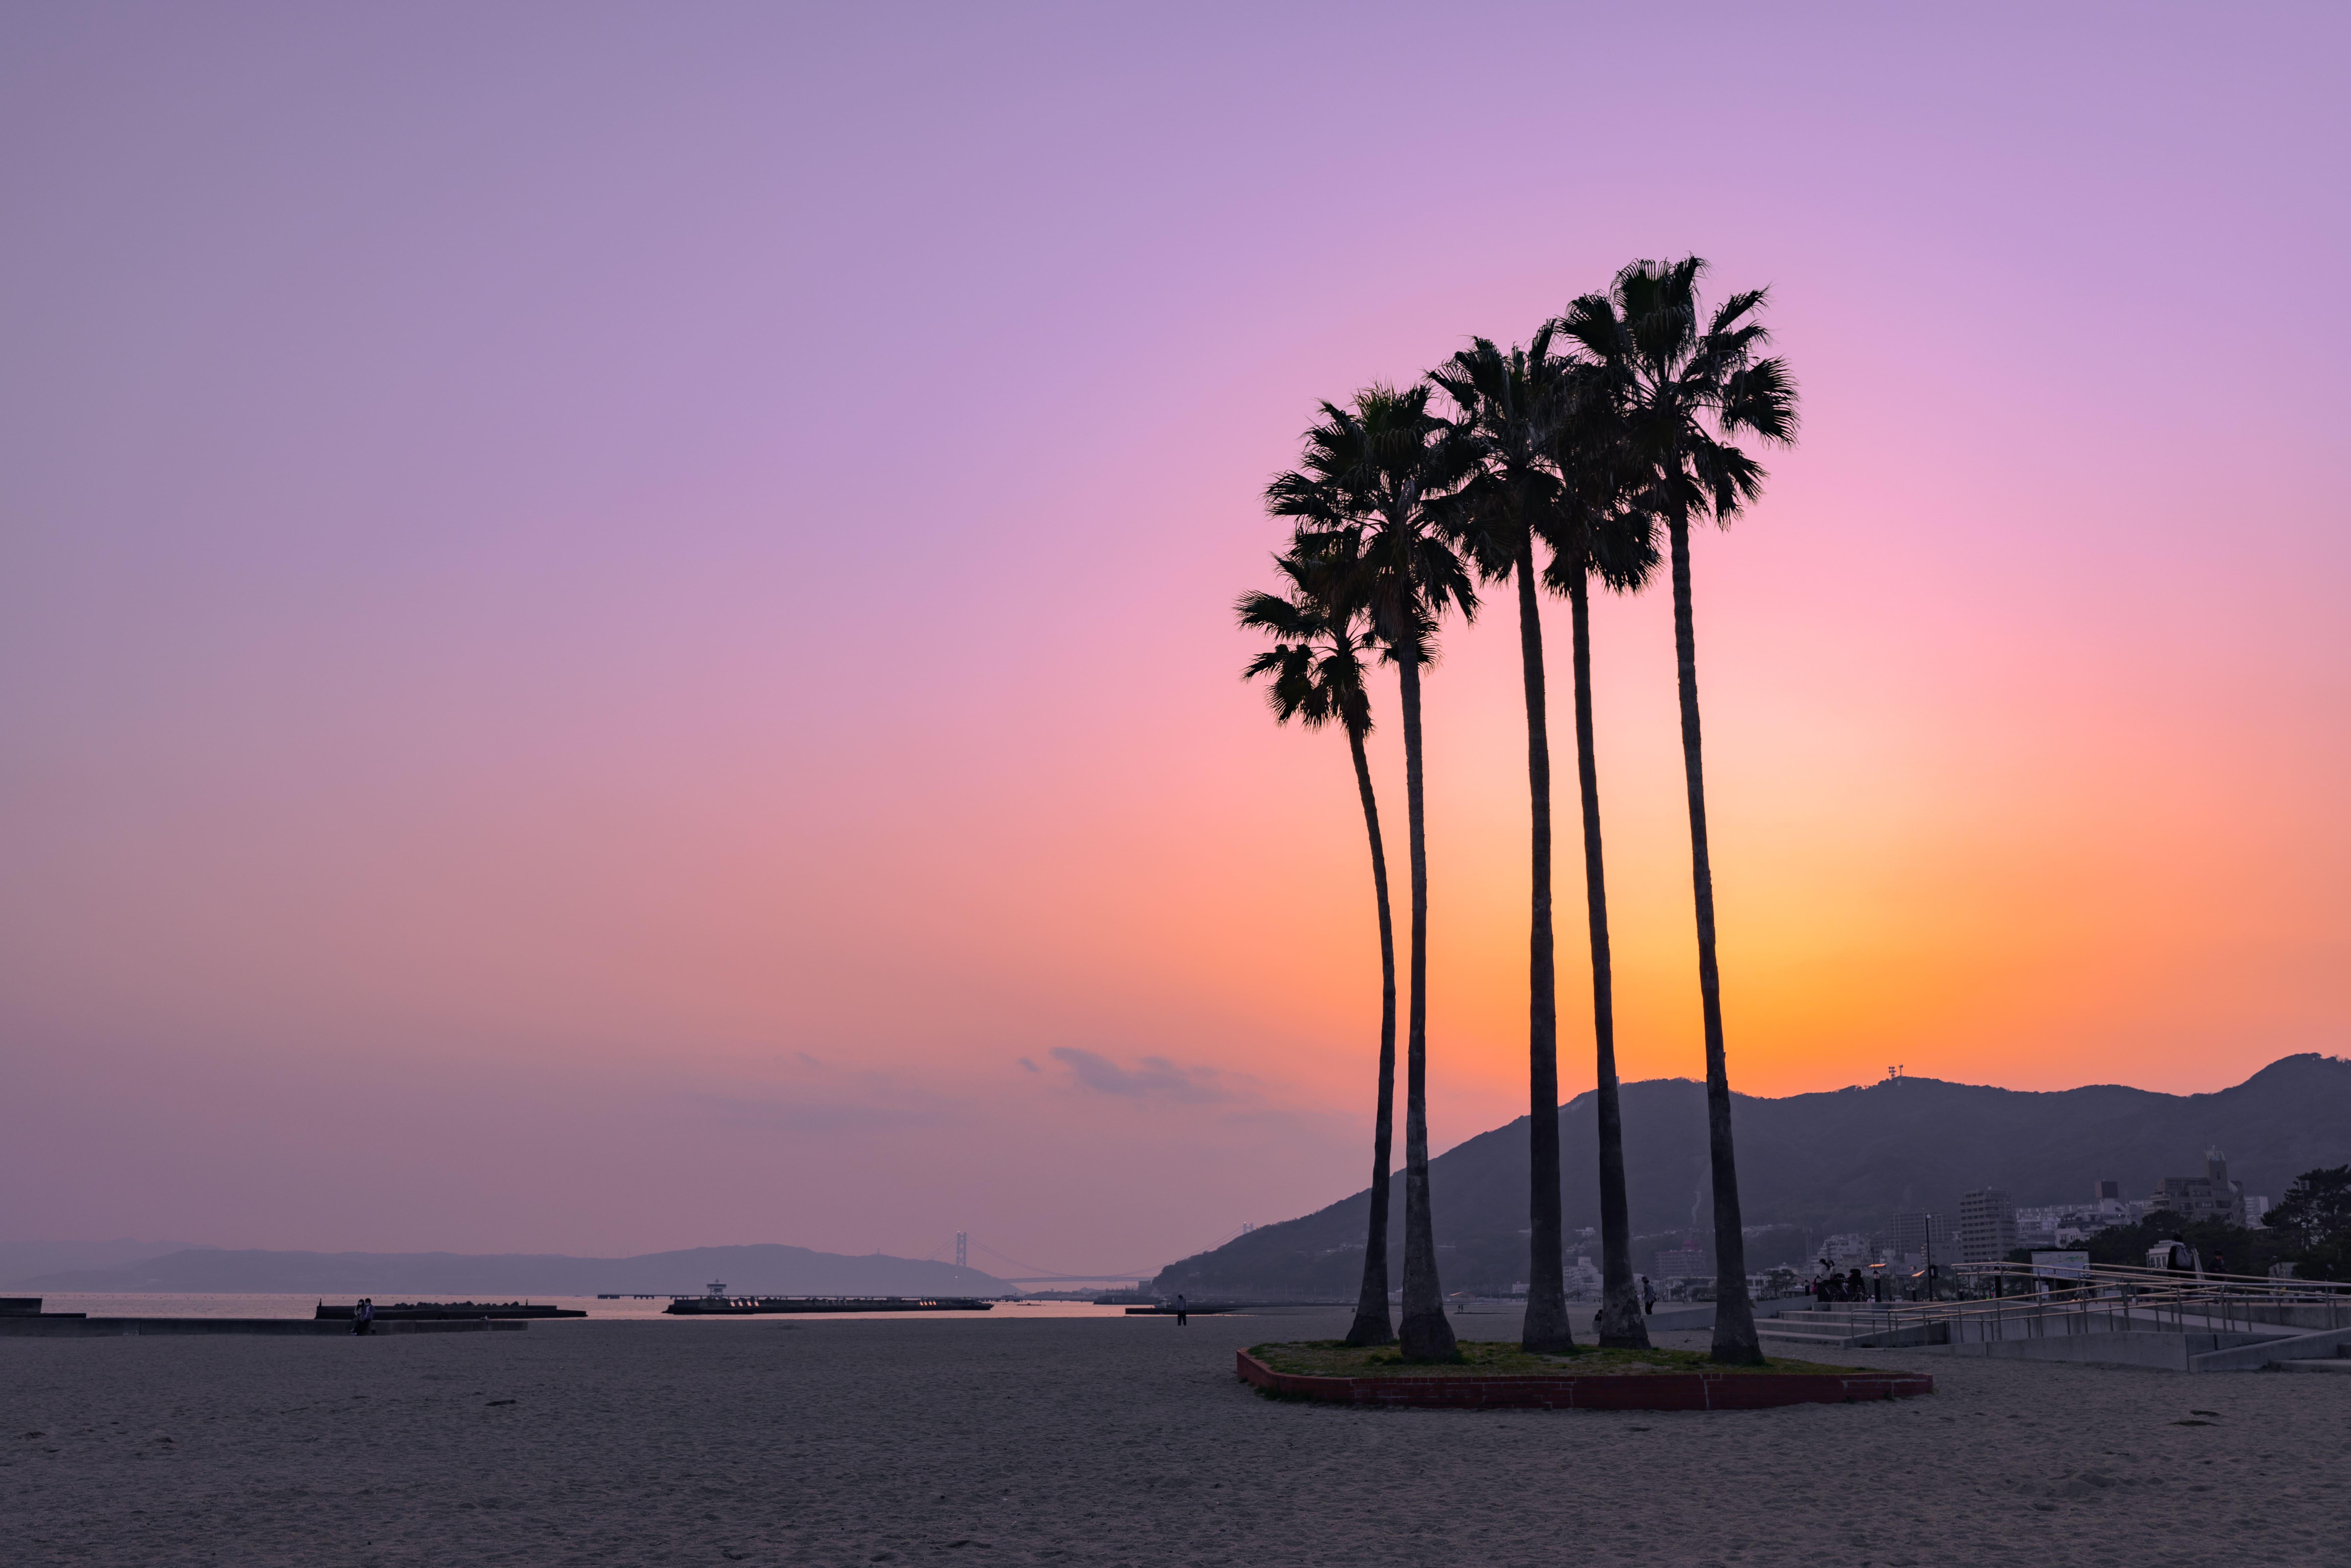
column 131, row 1305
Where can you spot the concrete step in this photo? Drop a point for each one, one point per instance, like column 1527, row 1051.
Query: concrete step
column 2334, row 1363
column 1820, row 1340
column 2332, row 1344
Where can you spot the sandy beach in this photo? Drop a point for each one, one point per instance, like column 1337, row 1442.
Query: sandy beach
column 1103, row 1441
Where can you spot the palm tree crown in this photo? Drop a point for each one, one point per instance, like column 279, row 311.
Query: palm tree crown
column 1684, row 394
column 1370, row 490
column 1314, row 670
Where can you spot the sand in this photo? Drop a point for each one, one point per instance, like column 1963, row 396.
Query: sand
column 1103, row 1441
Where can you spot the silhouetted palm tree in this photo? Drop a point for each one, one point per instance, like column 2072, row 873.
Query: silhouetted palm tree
column 1598, row 533
column 1508, row 403
column 1369, row 492
column 1685, row 390
column 1314, row 672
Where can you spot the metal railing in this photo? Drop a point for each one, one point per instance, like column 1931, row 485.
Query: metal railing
column 2012, row 1300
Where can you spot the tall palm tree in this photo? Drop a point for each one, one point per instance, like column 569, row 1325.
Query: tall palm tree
column 1598, row 534
column 1508, row 402
column 1314, row 673
column 1370, row 491
column 1688, row 387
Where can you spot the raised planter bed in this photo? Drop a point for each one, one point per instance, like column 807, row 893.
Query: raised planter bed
column 1615, row 1383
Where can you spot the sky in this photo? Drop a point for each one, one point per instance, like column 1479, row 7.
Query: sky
column 615, row 621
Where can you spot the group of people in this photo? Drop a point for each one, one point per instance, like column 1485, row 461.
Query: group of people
column 1847, row 1287
column 363, row 1315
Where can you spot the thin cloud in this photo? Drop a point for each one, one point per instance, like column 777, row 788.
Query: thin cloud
column 1151, row 1078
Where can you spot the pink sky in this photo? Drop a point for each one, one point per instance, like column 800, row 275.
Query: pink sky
column 620, row 617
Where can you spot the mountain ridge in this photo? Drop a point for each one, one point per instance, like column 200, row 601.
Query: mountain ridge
column 1828, row 1160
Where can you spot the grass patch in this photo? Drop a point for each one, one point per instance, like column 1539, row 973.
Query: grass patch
column 1336, row 1358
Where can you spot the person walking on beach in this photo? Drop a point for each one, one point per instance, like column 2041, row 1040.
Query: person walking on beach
column 1648, row 1296
column 1181, row 1321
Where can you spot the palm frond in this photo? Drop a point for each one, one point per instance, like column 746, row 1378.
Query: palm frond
column 1763, row 398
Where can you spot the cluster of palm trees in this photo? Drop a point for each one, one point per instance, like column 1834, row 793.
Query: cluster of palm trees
column 1553, row 465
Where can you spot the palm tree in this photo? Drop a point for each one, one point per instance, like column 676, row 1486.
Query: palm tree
column 1370, row 492
column 1508, row 402
column 1597, row 534
column 1686, row 389
column 1314, row 672
column 1553, row 472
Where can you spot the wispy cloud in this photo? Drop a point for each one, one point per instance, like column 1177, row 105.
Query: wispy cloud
column 1151, row 1078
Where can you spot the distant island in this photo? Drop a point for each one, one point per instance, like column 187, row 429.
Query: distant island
column 766, row 1269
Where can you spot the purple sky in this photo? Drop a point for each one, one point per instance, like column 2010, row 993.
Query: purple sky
column 627, row 607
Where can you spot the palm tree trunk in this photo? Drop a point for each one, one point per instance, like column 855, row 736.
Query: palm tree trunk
column 1734, row 1316
column 1546, row 1327
column 1371, row 1325
column 1426, row 1334
column 1621, row 1323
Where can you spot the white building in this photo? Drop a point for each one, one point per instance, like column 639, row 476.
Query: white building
column 1684, row 1263
column 1850, row 1251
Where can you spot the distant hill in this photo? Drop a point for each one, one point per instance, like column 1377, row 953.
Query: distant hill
column 25, row 1260
column 765, row 1270
column 1816, row 1163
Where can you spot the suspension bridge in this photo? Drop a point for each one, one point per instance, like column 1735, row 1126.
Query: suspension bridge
column 963, row 1247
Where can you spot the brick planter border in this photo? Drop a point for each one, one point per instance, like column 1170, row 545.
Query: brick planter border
column 1595, row 1391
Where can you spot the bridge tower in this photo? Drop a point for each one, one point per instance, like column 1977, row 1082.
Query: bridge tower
column 961, row 1241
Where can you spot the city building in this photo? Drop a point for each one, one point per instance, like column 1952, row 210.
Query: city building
column 1851, row 1250
column 2060, row 1224
column 2211, row 1195
column 1683, row 1263
column 1921, row 1239
column 1987, row 1226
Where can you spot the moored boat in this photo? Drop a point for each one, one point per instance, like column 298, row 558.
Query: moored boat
column 714, row 1302
column 416, row 1310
